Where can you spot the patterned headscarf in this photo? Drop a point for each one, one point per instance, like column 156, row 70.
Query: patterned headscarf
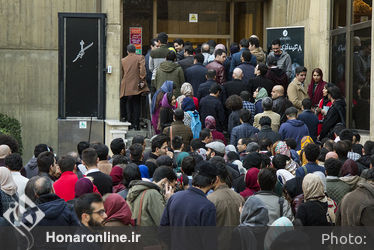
column 282, row 149
column 210, row 122
column 188, row 104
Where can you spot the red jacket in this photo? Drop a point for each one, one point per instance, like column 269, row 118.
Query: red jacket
column 65, row 185
column 220, row 71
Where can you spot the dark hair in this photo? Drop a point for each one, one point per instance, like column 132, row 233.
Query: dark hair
column 245, row 141
column 276, row 42
column 254, row 41
column 189, row 50
column 346, row 134
column 37, row 186
column 119, row 159
column 40, row 148
column 265, row 143
column 232, row 156
column 234, row 102
column 291, row 143
column 171, row 56
column 179, row 41
column 300, row 69
column 333, row 167
column 137, row 139
column 267, row 103
column 215, row 88
column 179, row 114
column 223, row 174
column 219, row 52
column 341, row 148
column 117, row 145
column 262, row 68
column 84, row 204
column 234, row 48
column 271, row 60
column 188, row 165
column 267, row 179
column 196, row 143
column 158, row 141
column 164, row 160
column 245, row 95
column 130, row 173
column 357, row 148
column 66, row 163
column 370, row 174
column 265, row 120
column 152, row 165
column 200, row 180
column 136, row 151
column 199, row 58
column 101, row 149
column 312, row 152
column 280, row 161
column 210, row 74
column 204, row 133
column 45, row 160
column 162, row 37
column 307, row 103
column 89, row 156
column 14, row 162
column 369, row 147
column 247, row 55
column 244, row 43
column 153, row 42
column 334, row 92
column 338, row 128
column 10, row 141
column 177, row 142
column 164, row 172
column 131, row 48
column 245, row 115
column 80, row 147
column 291, row 111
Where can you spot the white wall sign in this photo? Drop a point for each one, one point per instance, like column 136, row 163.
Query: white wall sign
column 194, row 18
column 82, row 124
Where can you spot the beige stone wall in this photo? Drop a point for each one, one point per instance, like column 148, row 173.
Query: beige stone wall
column 29, row 65
column 315, row 16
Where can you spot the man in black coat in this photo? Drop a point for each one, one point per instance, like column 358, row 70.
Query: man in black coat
column 211, row 105
column 236, row 86
column 196, row 74
column 260, row 80
column 203, row 89
column 280, row 102
column 188, row 58
column 266, row 131
column 309, row 118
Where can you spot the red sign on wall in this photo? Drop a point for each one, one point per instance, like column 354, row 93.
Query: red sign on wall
column 136, row 38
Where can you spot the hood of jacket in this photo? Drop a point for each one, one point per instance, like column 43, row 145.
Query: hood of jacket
column 254, row 213
column 295, row 123
column 368, row 186
column 168, row 66
column 277, row 71
column 52, row 205
column 340, row 104
column 137, row 187
column 32, row 164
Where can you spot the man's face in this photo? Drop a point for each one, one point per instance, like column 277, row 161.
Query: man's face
column 178, row 47
column 97, row 215
column 209, row 139
column 241, row 147
column 163, row 149
column 274, row 94
column 209, row 154
column 221, row 58
column 301, row 77
column 251, row 47
column 276, row 49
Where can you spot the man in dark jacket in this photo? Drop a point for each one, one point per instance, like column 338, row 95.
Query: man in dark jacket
column 266, row 131
column 275, row 74
column 245, row 130
column 236, row 86
column 188, row 60
column 260, row 80
column 31, row 168
column 246, row 66
column 203, row 89
column 309, row 118
column 365, row 161
column 336, row 113
column 196, row 74
column 158, row 55
column 211, row 105
column 235, row 59
column 280, row 102
column 217, row 65
column 293, row 128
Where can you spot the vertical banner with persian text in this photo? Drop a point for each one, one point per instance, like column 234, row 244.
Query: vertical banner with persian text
column 136, row 38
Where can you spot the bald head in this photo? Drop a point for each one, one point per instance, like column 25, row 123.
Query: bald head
column 277, row 91
column 4, row 151
column 331, row 155
column 237, row 74
column 205, row 48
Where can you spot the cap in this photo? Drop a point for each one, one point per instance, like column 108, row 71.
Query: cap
column 230, row 148
column 216, row 146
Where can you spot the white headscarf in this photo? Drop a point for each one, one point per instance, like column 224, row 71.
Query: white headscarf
column 7, row 183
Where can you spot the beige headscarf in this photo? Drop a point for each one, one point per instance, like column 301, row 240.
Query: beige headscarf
column 313, row 188
column 6, row 181
column 187, row 89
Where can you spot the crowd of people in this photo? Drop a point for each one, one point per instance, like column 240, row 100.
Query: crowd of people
column 237, row 144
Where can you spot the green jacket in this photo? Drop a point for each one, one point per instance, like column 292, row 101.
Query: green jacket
column 153, row 202
column 170, row 71
column 336, row 189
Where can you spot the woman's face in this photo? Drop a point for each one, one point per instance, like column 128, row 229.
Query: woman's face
column 324, row 91
column 255, row 93
column 316, row 77
column 173, row 101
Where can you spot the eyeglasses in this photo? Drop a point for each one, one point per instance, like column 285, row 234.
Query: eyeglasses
column 100, row 212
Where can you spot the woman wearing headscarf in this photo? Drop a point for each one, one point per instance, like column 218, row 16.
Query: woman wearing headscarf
column 167, row 87
column 282, row 148
column 251, row 184
column 210, row 123
column 191, row 116
column 315, row 89
column 349, row 174
column 187, row 91
column 85, row 186
column 293, row 192
column 279, row 163
column 8, row 190
column 259, row 94
column 279, row 226
column 314, row 210
column 118, row 211
column 166, row 111
column 179, row 160
column 304, row 142
column 117, row 177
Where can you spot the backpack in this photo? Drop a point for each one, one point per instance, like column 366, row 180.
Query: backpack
column 195, row 123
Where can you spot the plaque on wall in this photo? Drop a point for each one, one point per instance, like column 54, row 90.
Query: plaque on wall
column 81, row 65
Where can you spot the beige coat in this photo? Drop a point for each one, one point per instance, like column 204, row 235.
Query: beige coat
column 274, row 117
column 296, row 93
column 133, row 67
